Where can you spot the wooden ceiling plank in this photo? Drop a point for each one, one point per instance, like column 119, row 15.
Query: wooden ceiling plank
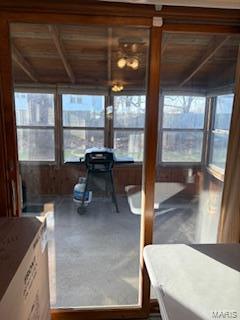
column 59, row 46
column 210, row 52
column 23, row 64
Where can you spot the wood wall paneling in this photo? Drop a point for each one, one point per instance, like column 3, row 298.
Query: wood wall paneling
column 53, row 180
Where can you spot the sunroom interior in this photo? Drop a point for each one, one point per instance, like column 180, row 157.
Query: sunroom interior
column 80, row 86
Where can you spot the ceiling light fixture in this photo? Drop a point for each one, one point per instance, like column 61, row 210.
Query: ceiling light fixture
column 129, row 62
column 117, row 87
column 134, row 47
column 122, row 63
column 133, row 63
column 130, row 51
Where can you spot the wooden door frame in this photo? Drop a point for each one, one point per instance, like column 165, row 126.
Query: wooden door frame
column 229, row 226
column 8, row 133
column 28, row 15
column 125, row 312
column 4, row 180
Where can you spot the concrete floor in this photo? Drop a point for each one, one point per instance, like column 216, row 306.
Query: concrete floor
column 94, row 257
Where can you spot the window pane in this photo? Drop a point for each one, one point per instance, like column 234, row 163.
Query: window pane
column 36, row 144
column 34, row 109
column 183, row 112
column 101, row 248
column 129, row 111
column 219, row 149
column 223, row 112
column 77, row 141
column 182, row 146
column 83, row 110
column 129, row 144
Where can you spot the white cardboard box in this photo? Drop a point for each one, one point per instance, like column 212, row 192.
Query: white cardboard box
column 24, row 284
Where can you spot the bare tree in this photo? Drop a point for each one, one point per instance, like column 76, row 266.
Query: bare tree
column 183, row 103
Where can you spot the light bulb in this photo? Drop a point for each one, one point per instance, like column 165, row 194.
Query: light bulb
column 133, row 63
column 121, row 63
column 134, row 47
column 117, row 87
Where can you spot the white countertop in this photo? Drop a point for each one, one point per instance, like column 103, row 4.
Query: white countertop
column 197, row 281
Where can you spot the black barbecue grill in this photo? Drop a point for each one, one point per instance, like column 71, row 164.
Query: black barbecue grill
column 100, row 162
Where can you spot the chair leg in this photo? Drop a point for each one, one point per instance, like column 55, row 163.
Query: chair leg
column 114, row 198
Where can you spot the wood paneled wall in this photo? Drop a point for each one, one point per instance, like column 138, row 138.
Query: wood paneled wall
column 53, row 180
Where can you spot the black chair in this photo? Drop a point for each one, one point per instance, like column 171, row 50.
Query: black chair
column 100, row 162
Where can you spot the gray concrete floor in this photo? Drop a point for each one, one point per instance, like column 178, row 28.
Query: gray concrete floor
column 97, row 253
column 94, row 257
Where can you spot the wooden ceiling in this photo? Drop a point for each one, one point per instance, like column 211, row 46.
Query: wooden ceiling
column 201, row 62
column 86, row 56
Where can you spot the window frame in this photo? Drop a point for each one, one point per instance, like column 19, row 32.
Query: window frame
column 161, row 131
column 30, row 90
column 109, row 130
column 214, row 170
column 131, row 129
column 80, row 128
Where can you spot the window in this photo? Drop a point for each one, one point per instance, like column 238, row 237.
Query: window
column 83, row 124
column 220, row 131
column 183, row 128
column 129, row 119
column 35, row 126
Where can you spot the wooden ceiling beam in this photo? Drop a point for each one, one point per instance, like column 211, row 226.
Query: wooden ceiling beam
column 165, row 43
column 109, row 56
column 70, row 36
column 210, row 52
column 59, row 46
column 78, row 57
column 23, row 64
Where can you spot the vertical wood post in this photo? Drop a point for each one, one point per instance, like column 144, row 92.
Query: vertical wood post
column 8, row 128
column 4, row 191
column 229, row 226
column 58, row 130
column 150, row 155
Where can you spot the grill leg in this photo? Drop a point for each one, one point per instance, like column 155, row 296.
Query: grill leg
column 114, row 198
column 106, row 181
column 85, row 189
